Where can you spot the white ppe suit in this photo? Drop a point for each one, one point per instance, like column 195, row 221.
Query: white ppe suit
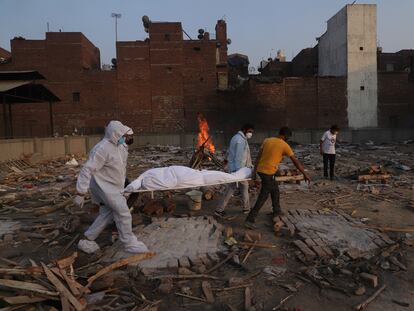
column 104, row 174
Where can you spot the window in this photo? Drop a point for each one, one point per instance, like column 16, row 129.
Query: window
column 361, row 48
column 362, row 88
column 76, row 97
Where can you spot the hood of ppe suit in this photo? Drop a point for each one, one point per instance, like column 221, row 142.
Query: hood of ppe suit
column 115, row 130
column 106, row 165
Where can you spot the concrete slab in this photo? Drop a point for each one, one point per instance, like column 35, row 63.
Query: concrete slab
column 342, row 235
column 178, row 242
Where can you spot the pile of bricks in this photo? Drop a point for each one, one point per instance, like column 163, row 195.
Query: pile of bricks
column 325, row 234
column 374, row 173
column 191, row 243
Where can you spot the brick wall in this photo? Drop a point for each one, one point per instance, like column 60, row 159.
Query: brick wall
column 162, row 83
column 395, row 100
column 304, row 102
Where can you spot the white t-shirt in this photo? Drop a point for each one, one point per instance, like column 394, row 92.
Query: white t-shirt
column 328, row 142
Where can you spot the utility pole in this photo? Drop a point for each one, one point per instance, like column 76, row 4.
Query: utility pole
column 116, row 16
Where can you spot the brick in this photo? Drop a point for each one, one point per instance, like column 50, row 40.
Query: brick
column 292, row 219
column 303, row 235
column 370, row 279
column 380, row 242
column 386, row 238
column 353, row 253
column 319, row 251
column 309, row 254
column 310, row 242
column 328, row 251
column 319, row 242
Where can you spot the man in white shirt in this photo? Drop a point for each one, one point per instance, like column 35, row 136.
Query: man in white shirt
column 327, row 149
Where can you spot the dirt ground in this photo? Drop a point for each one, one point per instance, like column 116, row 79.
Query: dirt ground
column 43, row 237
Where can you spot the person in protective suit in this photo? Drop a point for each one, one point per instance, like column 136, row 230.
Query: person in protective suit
column 104, row 175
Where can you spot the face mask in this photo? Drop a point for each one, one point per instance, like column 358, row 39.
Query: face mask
column 129, row 141
column 121, row 140
column 249, row 135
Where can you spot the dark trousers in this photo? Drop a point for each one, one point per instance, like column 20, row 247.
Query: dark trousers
column 329, row 158
column 269, row 186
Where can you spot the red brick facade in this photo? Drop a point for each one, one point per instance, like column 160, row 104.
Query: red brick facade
column 162, row 83
column 299, row 102
column 395, row 99
column 159, row 84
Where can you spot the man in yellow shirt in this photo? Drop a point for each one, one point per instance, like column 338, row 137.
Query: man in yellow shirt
column 270, row 155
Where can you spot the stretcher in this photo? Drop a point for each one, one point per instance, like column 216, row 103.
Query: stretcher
column 151, row 191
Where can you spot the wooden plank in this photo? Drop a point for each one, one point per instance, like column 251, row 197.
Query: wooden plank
column 259, row 245
column 208, row 293
column 73, row 285
column 67, row 262
column 32, row 287
column 374, row 177
column 118, row 264
column 23, row 299
column 62, row 289
column 365, row 303
column 65, row 303
column 247, row 299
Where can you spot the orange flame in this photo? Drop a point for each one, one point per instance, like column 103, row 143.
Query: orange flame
column 203, row 135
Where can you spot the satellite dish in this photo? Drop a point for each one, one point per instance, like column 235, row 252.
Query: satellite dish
column 146, row 21
column 201, row 31
column 228, row 41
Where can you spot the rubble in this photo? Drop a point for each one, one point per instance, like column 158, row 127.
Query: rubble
column 339, row 254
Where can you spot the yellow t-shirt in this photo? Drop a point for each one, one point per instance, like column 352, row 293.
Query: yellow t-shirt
column 273, row 150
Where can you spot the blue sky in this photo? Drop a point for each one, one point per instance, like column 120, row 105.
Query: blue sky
column 257, row 28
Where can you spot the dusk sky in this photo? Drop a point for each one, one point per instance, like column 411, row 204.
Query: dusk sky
column 256, row 28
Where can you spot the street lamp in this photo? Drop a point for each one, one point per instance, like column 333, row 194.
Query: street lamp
column 116, row 16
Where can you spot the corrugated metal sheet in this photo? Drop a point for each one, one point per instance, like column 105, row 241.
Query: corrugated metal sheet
column 9, row 85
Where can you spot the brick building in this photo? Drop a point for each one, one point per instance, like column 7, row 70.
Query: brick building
column 159, row 84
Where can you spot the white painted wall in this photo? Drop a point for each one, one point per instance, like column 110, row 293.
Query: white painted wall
column 354, row 26
column 332, row 49
column 362, row 65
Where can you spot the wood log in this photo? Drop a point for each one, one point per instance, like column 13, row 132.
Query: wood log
column 118, row 264
column 374, row 177
column 62, row 289
column 366, row 302
column 32, row 287
column 290, row 178
column 208, row 293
